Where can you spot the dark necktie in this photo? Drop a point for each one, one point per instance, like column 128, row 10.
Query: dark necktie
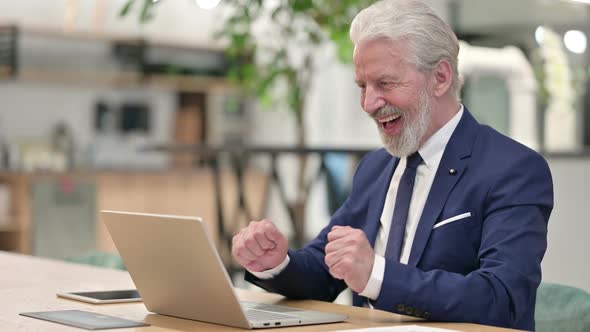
column 397, row 229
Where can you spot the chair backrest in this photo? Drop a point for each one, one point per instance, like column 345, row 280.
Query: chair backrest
column 562, row 308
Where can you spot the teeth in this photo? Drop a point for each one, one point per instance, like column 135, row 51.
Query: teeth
column 390, row 118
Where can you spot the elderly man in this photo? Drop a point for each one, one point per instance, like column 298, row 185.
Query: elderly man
column 448, row 222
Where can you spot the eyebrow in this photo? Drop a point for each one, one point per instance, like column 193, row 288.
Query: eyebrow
column 383, row 77
column 388, row 77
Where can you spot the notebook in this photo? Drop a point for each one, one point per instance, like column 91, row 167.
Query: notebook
column 178, row 272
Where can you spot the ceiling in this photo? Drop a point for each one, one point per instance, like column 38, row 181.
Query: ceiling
column 511, row 22
column 500, row 15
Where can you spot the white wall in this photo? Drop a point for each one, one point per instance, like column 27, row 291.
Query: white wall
column 484, row 15
column 334, row 114
column 30, row 111
column 179, row 21
column 175, row 22
column 566, row 260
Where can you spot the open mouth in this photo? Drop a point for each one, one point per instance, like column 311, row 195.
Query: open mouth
column 390, row 121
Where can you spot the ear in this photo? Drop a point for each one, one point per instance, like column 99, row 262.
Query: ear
column 442, row 78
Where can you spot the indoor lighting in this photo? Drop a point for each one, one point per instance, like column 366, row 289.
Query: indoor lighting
column 581, row 1
column 575, row 41
column 207, row 4
column 539, row 34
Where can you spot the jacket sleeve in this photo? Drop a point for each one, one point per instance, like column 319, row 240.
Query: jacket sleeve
column 307, row 276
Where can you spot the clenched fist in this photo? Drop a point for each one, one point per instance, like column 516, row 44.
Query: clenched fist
column 349, row 256
column 260, row 246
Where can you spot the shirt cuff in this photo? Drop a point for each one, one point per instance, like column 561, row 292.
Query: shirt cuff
column 373, row 287
column 271, row 273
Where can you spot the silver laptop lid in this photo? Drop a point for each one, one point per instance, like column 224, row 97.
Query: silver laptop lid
column 166, row 256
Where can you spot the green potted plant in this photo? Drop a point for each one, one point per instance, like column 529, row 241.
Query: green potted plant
column 279, row 71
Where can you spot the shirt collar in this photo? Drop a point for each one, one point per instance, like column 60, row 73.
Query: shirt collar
column 435, row 145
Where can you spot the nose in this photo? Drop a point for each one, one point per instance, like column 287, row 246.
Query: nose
column 372, row 100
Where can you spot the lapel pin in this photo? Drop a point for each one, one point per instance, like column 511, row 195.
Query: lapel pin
column 452, row 171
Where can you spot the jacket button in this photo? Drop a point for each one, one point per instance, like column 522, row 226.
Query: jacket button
column 401, row 308
column 427, row 315
column 409, row 310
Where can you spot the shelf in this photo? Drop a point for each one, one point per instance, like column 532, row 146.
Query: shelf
column 93, row 78
column 15, row 226
column 51, row 32
column 9, row 228
column 122, row 79
column 113, row 61
column 190, row 84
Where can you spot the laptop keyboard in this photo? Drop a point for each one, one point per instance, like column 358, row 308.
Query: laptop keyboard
column 259, row 315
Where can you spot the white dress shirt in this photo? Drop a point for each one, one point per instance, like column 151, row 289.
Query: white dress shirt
column 431, row 153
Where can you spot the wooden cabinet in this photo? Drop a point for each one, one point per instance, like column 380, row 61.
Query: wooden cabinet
column 190, row 192
column 15, row 220
column 180, row 193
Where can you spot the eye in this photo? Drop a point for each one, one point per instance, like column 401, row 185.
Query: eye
column 385, row 84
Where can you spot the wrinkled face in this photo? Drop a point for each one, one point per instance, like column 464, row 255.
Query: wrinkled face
column 394, row 93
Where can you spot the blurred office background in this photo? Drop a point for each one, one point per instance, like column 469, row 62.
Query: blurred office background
column 99, row 111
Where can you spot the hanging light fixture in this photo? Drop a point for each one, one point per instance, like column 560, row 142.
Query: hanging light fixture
column 539, row 34
column 207, row 4
column 575, row 41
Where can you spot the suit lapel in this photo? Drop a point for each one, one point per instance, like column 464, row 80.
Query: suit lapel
column 456, row 156
column 376, row 205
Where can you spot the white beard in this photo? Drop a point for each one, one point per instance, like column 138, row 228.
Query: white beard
column 412, row 132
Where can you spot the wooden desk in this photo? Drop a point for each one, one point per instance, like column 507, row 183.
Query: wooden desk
column 30, row 283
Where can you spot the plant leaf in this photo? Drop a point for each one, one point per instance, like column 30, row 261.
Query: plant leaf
column 126, row 8
column 146, row 14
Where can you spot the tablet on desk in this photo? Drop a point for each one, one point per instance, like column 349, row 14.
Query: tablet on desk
column 101, row 297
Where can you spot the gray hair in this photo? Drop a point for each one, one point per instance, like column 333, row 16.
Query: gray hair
column 430, row 38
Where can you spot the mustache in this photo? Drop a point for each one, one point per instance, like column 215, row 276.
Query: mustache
column 385, row 111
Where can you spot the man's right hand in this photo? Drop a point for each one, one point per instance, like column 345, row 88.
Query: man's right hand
column 260, row 246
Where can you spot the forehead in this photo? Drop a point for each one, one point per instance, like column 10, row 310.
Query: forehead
column 379, row 56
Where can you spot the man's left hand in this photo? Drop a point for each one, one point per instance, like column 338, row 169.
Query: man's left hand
column 349, row 256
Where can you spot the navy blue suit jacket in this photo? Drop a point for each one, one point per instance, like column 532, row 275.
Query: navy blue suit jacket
column 483, row 269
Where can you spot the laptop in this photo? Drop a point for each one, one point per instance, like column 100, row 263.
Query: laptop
column 178, row 272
